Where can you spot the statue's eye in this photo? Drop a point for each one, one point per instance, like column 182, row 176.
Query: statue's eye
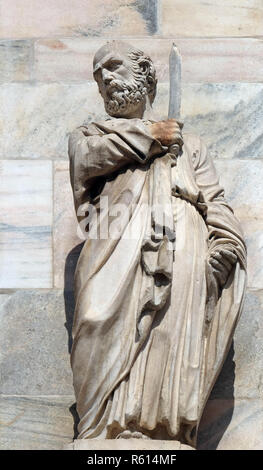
column 113, row 65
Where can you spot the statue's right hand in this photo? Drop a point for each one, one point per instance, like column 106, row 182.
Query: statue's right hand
column 167, row 132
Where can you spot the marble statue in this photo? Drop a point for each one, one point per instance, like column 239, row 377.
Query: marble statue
column 158, row 293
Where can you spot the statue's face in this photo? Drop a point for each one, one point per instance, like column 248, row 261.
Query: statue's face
column 121, row 90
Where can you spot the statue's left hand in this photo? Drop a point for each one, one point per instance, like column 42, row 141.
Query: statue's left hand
column 221, row 260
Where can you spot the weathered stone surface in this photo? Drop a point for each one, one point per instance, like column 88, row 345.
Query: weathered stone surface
column 36, row 119
column 203, row 60
column 241, row 376
column 232, row 425
column 36, row 423
column 65, row 236
column 249, row 348
column 65, row 59
column 26, row 218
column 35, row 340
column 242, row 181
column 221, row 59
column 16, row 59
column 32, row 18
column 214, row 18
column 228, row 116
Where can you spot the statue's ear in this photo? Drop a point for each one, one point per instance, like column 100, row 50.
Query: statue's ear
column 144, row 66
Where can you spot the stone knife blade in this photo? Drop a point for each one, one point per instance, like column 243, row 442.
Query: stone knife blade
column 175, row 62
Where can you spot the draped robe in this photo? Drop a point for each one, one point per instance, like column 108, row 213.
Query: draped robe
column 149, row 335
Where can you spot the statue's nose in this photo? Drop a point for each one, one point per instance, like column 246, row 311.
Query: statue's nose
column 106, row 76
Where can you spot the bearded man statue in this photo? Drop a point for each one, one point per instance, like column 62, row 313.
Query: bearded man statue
column 157, row 301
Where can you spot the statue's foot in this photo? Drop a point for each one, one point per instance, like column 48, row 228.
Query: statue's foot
column 132, row 435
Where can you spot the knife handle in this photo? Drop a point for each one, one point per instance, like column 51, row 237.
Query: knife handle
column 173, row 151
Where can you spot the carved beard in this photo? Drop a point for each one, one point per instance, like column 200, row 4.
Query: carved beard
column 123, row 97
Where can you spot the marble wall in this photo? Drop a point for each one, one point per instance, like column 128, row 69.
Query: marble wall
column 46, row 90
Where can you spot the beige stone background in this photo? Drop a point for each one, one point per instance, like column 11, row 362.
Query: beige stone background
column 46, row 90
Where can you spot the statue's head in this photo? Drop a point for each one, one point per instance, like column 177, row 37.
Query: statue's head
column 125, row 77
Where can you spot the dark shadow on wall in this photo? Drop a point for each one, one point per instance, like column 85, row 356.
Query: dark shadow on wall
column 219, row 409
column 75, row 416
column 69, row 301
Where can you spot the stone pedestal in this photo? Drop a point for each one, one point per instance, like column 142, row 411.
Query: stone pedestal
column 125, row 444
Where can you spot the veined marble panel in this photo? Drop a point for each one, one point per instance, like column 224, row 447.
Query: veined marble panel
column 26, row 220
column 37, row 119
column 249, row 348
column 241, row 376
column 232, row 425
column 242, row 181
column 35, row 338
column 36, row 423
column 33, row 18
column 65, row 236
column 213, row 18
column 16, row 59
column 203, row 60
column 228, row 116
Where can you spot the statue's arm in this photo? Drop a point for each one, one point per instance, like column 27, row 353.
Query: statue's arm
column 226, row 243
column 102, row 148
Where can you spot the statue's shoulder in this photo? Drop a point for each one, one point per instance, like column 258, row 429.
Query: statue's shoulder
column 192, row 141
column 78, row 135
column 84, row 129
column 87, row 129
